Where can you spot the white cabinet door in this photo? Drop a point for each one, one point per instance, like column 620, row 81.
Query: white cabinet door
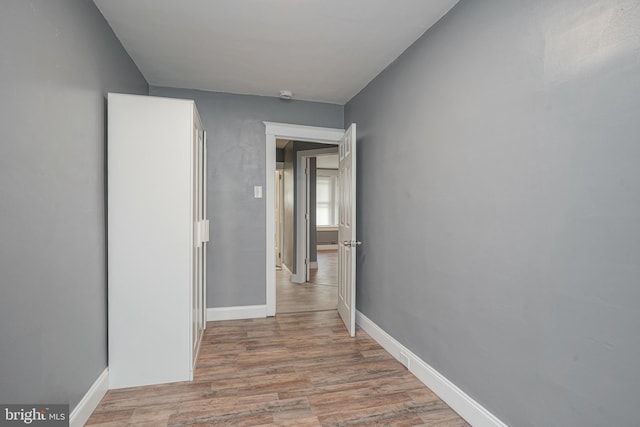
column 155, row 287
column 198, row 281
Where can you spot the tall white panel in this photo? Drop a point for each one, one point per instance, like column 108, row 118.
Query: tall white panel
column 151, row 223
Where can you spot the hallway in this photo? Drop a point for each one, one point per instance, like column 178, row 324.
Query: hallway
column 290, row 370
column 319, row 293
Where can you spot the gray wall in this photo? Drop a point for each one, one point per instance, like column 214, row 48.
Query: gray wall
column 499, row 206
column 327, row 237
column 236, row 258
column 58, row 59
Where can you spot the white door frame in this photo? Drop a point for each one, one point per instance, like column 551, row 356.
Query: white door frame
column 302, row 226
column 275, row 131
column 205, row 245
column 279, row 191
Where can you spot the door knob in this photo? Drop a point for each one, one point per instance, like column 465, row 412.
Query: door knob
column 352, row 243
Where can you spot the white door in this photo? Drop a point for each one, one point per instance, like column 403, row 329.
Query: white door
column 347, row 242
column 278, row 216
column 307, row 220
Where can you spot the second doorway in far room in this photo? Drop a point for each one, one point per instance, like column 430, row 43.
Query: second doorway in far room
column 314, row 289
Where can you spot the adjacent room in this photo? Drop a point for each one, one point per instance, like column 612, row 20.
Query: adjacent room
column 306, row 203
column 322, row 213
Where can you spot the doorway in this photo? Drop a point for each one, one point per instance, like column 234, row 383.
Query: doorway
column 275, row 131
column 324, row 266
column 347, row 243
column 312, row 201
column 306, row 203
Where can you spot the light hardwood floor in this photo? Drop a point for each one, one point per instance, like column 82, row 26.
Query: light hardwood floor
column 290, row 370
column 320, row 293
column 327, row 271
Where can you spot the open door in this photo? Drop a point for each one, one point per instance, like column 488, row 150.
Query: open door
column 307, row 219
column 347, row 242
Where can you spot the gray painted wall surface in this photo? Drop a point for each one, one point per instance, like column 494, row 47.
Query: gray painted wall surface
column 499, row 206
column 58, row 59
column 327, row 237
column 236, row 257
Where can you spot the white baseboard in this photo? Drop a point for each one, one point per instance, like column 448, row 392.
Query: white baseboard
column 326, row 247
column 286, row 268
column 474, row 413
column 90, row 401
column 292, row 277
column 236, row 313
column 313, row 265
column 296, row 278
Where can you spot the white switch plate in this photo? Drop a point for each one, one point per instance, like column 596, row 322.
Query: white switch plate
column 257, row 191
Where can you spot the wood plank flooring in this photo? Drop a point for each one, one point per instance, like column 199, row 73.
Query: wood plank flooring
column 327, row 271
column 291, row 370
column 320, row 293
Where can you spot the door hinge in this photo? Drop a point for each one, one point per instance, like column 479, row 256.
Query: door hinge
column 306, row 261
column 306, row 216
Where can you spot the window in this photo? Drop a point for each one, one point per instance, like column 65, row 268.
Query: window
column 326, row 198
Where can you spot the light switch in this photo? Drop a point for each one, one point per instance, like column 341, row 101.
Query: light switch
column 257, row 191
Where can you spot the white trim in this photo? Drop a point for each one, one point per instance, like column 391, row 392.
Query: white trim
column 205, row 245
column 279, row 218
column 237, row 313
column 296, row 278
column 90, row 400
column 284, row 267
column 313, row 265
column 474, row 413
column 270, row 195
column 303, row 133
column 293, row 132
column 306, row 219
column 301, row 206
column 327, row 228
column 292, row 277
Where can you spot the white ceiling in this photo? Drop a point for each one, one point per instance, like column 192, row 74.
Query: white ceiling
column 322, row 50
